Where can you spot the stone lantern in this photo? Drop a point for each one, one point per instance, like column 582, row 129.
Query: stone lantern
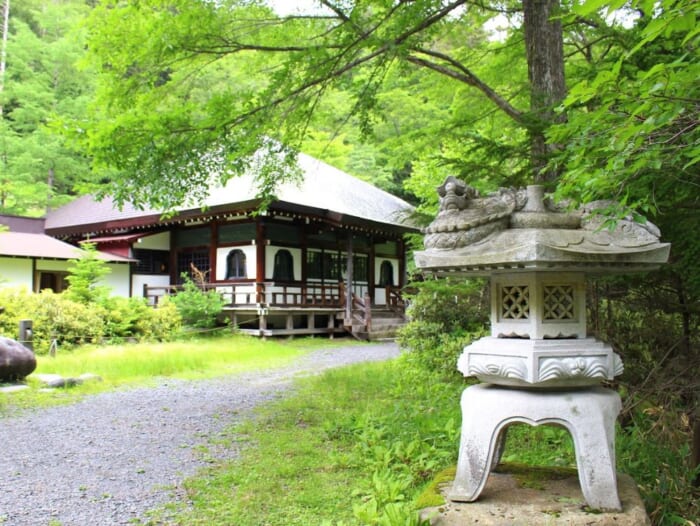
column 538, row 364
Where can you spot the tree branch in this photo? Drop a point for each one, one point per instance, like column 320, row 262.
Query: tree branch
column 459, row 72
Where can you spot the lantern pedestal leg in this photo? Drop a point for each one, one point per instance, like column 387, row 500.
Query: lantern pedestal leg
column 588, row 414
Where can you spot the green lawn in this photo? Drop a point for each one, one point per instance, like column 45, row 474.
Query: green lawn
column 352, row 446
column 137, row 364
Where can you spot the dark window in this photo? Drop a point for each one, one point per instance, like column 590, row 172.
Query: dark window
column 186, row 260
column 386, row 274
column 314, row 265
column 192, row 237
column 235, row 264
column 323, row 265
column 332, row 265
column 359, row 268
column 236, row 233
column 55, row 281
column 151, row 261
column 284, row 266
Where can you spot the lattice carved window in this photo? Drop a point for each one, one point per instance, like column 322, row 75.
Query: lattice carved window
column 515, row 302
column 559, row 302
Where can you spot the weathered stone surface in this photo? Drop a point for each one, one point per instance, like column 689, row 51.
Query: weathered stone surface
column 510, row 500
column 56, row 380
column 515, row 229
column 16, row 361
column 588, row 414
column 13, row 388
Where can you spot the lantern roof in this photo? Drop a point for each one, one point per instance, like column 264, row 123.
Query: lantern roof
column 516, row 230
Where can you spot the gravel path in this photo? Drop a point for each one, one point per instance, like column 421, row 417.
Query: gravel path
column 110, row 458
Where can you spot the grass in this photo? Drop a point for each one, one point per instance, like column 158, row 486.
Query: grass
column 356, row 445
column 351, row 446
column 137, row 364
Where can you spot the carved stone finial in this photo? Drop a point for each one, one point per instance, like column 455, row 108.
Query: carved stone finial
column 453, row 194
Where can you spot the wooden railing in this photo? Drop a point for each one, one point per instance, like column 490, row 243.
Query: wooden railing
column 361, row 314
column 395, row 301
column 268, row 293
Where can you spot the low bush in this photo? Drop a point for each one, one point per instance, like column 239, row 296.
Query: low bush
column 198, row 308
column 159, row 324
column 58, row 318
column 133, row 318
column 444, row 317
column 54, row 317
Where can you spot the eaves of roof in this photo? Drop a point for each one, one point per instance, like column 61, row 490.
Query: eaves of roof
column 325, row 193
column 24, row 245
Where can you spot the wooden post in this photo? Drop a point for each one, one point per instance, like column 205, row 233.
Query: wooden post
column 349, row 279
column 260, row 260
column 25, row 334
column 695, row 447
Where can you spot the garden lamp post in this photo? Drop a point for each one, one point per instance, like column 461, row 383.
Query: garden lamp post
column 538, row 364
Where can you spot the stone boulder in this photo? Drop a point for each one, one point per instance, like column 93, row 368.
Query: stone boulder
column 16, row 361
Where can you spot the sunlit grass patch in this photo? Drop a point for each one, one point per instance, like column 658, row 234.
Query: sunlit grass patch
column 141, row 363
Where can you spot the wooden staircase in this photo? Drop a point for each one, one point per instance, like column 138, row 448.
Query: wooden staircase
column 374, row 322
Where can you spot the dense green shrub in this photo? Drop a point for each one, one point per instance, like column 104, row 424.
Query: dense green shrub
column 444, row 317
column 54, row 316
column 133, row 318
column 653, row 447
column 161, row 323
column 122, row 315
column 57, row 317
column 85, row 277
column 197, row 307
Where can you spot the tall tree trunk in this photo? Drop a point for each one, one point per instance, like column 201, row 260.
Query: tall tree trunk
column 545, row 61
column 3, row 50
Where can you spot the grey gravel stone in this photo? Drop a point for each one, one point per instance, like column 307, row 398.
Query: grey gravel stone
column 112, row 457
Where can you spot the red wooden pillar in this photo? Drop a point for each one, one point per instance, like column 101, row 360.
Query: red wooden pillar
column 260, row 243
column 401, row 249
column 213, row 243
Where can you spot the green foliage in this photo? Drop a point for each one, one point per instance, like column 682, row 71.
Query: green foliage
column 352, row 447
column 54, row 316
column 653, row 447
column 42, row 87
column 85, row 275
column 133, row 318
column 632, row 130
column 71, row 323
column 160, row 324
column 657, row 336
column 444, row 317
column 197, row 307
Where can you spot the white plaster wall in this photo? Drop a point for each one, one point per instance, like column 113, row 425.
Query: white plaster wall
column 160, row 241
column 270, row 252
column 139, row 280
column 16, row 272
column 118, row 279
column 250, row 260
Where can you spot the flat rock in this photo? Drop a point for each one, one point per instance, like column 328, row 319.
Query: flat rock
column 557, row 501
column 13, row 388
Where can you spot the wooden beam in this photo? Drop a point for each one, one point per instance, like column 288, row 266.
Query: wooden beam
column 349, row 272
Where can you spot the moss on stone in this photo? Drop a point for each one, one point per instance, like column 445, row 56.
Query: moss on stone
column 534, row 477
column 431, row 495
column 525, row 476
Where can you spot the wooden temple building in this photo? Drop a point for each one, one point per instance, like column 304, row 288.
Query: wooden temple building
column 327, row 256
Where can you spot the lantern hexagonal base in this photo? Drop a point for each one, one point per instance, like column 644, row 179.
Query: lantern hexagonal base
column 552, row 363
